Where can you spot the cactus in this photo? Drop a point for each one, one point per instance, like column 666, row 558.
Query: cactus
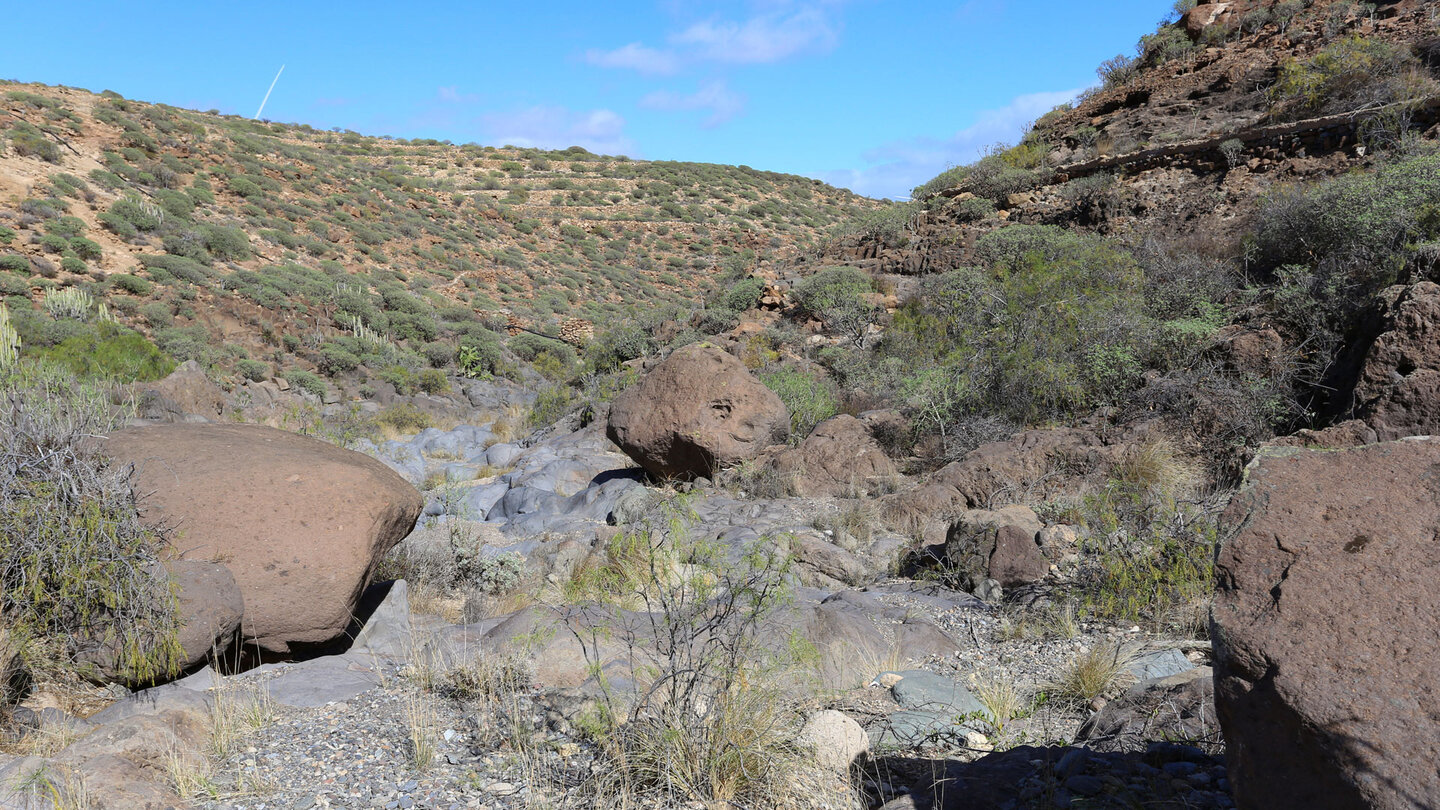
column 71, row 302
column 9, row 341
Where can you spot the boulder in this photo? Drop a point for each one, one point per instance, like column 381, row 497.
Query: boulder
column 1023, row 466
column 1324, row 628
column 187, row 395
column 839, row 458
column 698, row 411
column 996, row 544
column 1178, row 707
column 301, row 524
column 1398, row 390
column 835, row 738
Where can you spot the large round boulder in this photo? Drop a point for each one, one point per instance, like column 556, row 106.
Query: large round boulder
column 301, row 524
column 697, row 412
column 1324, row 629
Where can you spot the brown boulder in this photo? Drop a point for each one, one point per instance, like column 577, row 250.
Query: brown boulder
column 187, row 395
column 1324, row 629
column 1023, row 467
column 211, row 609
column 697, row 412
column 301, row 524
column 1398, row 391
column 998, row 545
column 839, row 458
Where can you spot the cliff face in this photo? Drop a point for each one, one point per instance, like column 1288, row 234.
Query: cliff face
column 1228, row 103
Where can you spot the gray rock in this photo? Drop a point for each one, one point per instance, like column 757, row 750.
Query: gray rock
column 387, row 632
column 920, row 689
column 1160, row 664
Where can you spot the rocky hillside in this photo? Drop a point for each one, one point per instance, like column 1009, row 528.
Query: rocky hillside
column 200, row 229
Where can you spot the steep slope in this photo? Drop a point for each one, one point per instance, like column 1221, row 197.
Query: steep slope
column 275, row 238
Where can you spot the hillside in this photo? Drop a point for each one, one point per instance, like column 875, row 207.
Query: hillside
column 272, row 239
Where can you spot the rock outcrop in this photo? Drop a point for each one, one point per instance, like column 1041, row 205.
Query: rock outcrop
column 697, row 412
column 1398, row 391
column 301, row 524
column 186, row 395
column 839, row 458
column 999, row 545
column 1324, row 629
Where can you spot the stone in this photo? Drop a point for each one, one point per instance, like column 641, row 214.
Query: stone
column 1398, row 390
column 835, row 738
column 920, row 689
column 839, row 458
column 1024, row 463
column 1181, row 707
column 186, row 395
column 1159, row 664
column 1324, row 628
column 996, row 544
column 698, row 411
column 387, row 633
column 300, row 524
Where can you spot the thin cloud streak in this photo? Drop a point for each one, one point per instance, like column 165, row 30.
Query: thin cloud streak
column 716, row 97
column 897, row 167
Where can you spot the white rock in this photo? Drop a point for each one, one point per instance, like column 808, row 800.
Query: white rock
column 836, row 739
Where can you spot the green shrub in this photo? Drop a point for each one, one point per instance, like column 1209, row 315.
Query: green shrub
column 108, row 351
column 132, row 284
column 7, row 235
column 133, row 212
column 226, row 243
column 742, row 295
column 86, row 249
column 252, row 370
column 837, row 296
column 551, row 403
column 432, row 381
column 70, row 264
column 306, row 381
column 1349, row 73
column 14, row 262
column 809, row 399
column 405, row 418
column 621, row 343
column 335, row 359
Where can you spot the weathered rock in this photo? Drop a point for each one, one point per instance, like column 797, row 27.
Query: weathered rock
column 835, row 738
column 301, row 524
column 1324, row 628
column 1398, row 391
column 1178, row 707
column 187, row 395
column 840, row 458
column 998, row 545
column 698, row 411
column 1023, row 465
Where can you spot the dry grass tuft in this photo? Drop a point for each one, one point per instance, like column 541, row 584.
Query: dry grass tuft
column 420, row 719
column 1002, row 698
column 1094, row 672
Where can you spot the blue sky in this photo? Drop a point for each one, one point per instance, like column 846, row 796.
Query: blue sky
column 874, row 96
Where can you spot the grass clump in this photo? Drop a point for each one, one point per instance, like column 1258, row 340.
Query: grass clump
column 1092, row 673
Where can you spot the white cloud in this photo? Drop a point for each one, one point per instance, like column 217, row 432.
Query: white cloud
column 769, row 37
column 452, row 95
column 758, row 40
column 601, row 131
column 897, row 167
column 635, row 57
column 716, row 97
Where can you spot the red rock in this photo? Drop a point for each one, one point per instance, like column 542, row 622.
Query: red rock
column 1324, row 629
column 695, row 413
column 301, row 524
